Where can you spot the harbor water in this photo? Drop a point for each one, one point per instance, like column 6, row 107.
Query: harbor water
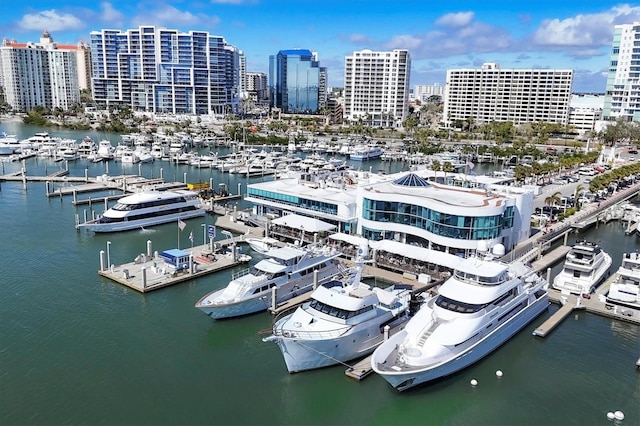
column 79, row 349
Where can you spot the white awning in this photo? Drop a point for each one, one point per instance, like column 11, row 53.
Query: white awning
column 303, row 223
column 351, row 239
column 419, row 253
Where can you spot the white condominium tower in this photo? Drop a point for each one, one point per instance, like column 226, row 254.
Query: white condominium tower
column 39, row 74
column 165, row 71
column 517, row 95
column 622, row 95
column 376, row 87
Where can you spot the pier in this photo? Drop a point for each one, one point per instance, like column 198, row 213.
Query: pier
column 150, row 271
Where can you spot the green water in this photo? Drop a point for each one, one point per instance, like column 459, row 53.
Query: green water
column 78, row 349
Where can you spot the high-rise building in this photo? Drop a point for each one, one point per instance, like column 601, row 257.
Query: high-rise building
column 376, row 87
column 622, row 93
column 517, row 95
column 83, row 58
column 165, row 71
column 39, row 74
column 295, row 79
column 422, row 93
column 257, row 87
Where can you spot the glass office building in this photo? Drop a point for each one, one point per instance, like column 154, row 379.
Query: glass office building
column 296, row 80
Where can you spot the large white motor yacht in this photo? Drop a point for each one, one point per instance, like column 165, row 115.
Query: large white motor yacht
column 585, row 266
column 286, row 272
column 481, row 306
column 146, row 209
column 625, row 288
column 343, row 321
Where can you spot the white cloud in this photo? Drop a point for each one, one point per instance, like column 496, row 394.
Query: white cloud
column 584, row 30
column 50, row 20
column 171, row 17
column 404, row 42
column 109, row 15
column 459, row 19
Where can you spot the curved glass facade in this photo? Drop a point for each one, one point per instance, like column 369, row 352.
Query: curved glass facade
column 435, row 222
column 292, row 200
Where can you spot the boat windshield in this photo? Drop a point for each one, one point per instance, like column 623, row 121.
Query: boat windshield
column 337, row 312
column 456, row 306
column 474, row 278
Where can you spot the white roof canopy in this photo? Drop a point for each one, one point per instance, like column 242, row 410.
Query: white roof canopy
column 351, row 239
column 418, row 253
column 303, row 223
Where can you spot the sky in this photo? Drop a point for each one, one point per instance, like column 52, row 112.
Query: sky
column 440, row 35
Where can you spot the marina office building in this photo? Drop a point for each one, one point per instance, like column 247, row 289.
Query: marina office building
column 407, row 208
column 376, row 87
column 518, row 95
column 166, row 71
column 622, row 93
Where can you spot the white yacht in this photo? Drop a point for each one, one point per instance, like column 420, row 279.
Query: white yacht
column 8, row 144
column 106, row 150
column 262, row 245
column 286, row 272
column 366, row 152
column 147, row 208
column 625, row 288
column 481, row 306
column 585, row 266
column 343, row 321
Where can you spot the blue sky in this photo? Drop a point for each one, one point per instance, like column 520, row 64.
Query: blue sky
column 439, row 35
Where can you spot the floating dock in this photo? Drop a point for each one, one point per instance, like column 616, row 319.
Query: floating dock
column 554, row 320
column 150, row 272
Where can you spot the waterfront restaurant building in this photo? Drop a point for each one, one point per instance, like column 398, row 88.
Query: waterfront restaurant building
column 407, row 208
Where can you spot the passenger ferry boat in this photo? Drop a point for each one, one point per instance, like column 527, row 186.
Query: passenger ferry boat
column 584, row 268
column 286, row 273
column 147, row 208
column 480, row 307
column 625, row 288
column 344, row 320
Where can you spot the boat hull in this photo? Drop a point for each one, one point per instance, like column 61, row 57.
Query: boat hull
column 308, row 354
column 140, row 223
column 403, row 380
column 236, row 309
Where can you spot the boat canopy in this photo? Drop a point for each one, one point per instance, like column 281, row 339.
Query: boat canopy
column 303, row 223
column 418, row 253
column 351, row 239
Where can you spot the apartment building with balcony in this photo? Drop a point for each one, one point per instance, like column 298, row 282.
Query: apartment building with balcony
column 39, row 74
column 622, row 93
column 166, row 71
column 521, row 96
column 376, row 87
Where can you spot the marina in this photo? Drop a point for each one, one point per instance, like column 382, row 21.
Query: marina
column 114, row 329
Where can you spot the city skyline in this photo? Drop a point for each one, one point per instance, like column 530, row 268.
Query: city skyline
column 569, row 34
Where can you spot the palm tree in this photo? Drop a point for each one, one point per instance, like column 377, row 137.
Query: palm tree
column 553, row 198
column 579, row 188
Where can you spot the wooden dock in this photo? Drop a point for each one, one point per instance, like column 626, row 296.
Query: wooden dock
column 554, row 320
column 148, row 272
column 360, row 370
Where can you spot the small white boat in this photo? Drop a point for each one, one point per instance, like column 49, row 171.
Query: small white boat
column 585, row 266
column 625, row 288
column 262, row 245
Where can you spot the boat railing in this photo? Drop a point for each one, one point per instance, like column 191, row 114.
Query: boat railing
column 311, row 335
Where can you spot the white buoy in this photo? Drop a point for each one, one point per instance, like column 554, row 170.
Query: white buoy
column 499, row 373
column 474, row 382
column 610, row 415
column 619, row 415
